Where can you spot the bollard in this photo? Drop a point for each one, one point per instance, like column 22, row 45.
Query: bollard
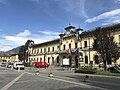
column 11, row 67
column 86, row 78
column 37, row 72
column 50, row 75
column 18, row 69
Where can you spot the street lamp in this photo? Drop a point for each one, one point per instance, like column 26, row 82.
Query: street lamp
column 61, row 39
column 78, row 32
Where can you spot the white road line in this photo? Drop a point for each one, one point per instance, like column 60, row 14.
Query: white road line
column 72, row 82
column 12, row 82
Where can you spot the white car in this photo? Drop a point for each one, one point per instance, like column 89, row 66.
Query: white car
column 18, row 65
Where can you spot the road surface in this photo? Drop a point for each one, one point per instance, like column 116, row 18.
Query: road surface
column 61, row 80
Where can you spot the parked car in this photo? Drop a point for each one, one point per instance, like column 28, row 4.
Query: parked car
column 3, row 64
column 9, row 65
column 41, row 64
column 114, row 69
column 18, row 65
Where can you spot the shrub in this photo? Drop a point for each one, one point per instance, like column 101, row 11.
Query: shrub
column 86, row 70
column 26, row 64
column 107, row 73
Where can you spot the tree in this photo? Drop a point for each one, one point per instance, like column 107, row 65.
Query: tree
column 21, row 54
column 27, row 45
column 105, row 46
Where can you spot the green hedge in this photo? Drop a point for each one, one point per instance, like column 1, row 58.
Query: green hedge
column 86, row 70
column 90, row 70
column 26, row 64
column 107, row 73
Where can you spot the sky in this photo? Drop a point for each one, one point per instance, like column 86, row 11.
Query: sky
column 44, row 20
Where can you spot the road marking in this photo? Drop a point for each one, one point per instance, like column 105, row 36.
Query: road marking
column 72, row 82
column 12, row 82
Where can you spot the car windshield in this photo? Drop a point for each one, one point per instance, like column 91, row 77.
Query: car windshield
column 10, row 63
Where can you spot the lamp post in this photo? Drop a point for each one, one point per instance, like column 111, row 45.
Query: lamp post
column 61, row 39
column 78, row 32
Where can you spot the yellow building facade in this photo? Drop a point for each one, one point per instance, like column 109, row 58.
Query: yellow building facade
column 5, row 57
column 53, row 52
column 9, row 58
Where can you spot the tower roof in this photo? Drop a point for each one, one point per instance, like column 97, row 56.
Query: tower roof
column 79, row 29
column 69, row 27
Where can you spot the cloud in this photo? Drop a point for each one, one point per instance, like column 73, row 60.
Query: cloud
column 106, row 15
column 4, row 2
column 112, row 20
column 24, row 34
column 50, row 33
column 76, row 7
column 11, row 41
column 1, row 30
column 37, row 1
column 117, row 1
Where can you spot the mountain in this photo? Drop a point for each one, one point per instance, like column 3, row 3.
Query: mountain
column 13, row 51
column 2, row 52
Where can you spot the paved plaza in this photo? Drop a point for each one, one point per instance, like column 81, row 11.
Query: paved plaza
column 61, row 80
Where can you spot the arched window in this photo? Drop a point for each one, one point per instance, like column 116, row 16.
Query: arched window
column 96, row 59
column 86, row 59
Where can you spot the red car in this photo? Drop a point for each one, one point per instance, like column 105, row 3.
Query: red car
column 41, row 64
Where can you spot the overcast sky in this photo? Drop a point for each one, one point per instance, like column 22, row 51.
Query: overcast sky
column 43, row 20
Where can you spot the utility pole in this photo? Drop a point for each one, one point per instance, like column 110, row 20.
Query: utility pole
column 89, row 48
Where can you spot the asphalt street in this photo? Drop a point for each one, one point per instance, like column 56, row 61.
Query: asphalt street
column 61, row 80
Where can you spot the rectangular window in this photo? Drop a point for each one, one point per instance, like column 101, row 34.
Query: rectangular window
column 37, row 59
column 119, row 39
column 63, row 47
column 32, row 51
column 70, row 46
column 48, row 49
column 76, row 45
column 41, row 50
column 52, row 60
column 57, row 47
column 37, row 50
column 44, row 50
column 85, row 43
column 48, row 59
column 40, row 59
column 53, row 49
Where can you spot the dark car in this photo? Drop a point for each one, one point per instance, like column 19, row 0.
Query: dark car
column 3, row 64
column 114, row 69
column 9, row 65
